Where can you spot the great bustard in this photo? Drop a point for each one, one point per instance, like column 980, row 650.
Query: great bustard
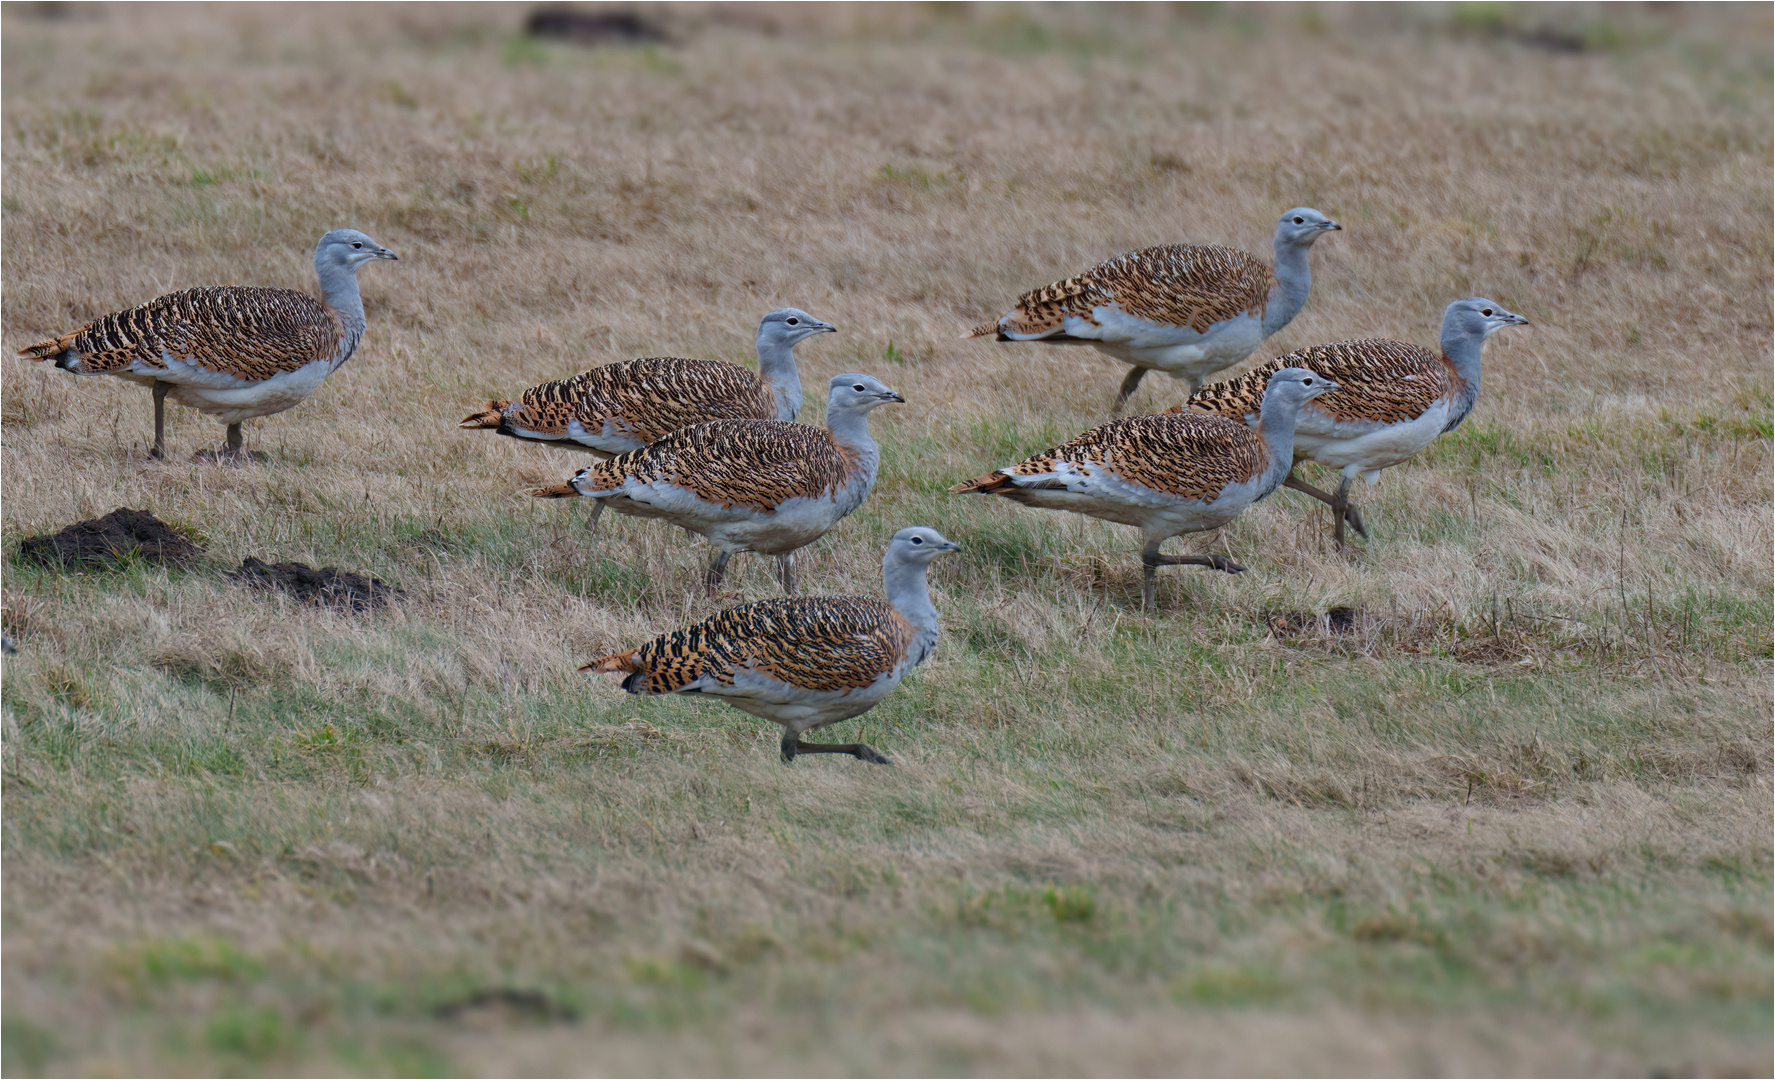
column 1393, row 399
column 1167, row 474
column 620, row 407
column 1188, row 310
column 803, row 662
column 233, row 351
column 768, row 486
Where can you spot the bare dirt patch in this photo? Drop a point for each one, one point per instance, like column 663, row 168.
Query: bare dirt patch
column 328, row 586
column 107, row 541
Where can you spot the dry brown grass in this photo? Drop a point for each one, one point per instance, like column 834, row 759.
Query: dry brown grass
column 1511, row 815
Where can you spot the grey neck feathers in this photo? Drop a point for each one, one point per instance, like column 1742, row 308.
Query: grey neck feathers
column 849, row 424
column 1461, row 345
column 338, row 286
column 1276, row 419
column 776, row 364
column 909, row 594
column 1293, row 281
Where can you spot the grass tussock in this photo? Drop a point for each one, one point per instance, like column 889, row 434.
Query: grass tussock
column 1489, row 795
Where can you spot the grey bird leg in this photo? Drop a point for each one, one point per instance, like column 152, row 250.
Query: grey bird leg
column 1151, row 560
column 786, row 572
column 793, row 745
column 1129, row 385
column 234, row 440
column 159, row 451
column 717, row 569
column 1339, row 503
column 592, row 522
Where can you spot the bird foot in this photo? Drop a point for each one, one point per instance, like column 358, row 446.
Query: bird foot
column 1354, row 517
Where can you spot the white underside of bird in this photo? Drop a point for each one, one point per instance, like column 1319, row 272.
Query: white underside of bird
column 1178, row 351
column 1096, row 492
column 226, row 397
column 801, row 710
column 1365, row 449
column 794, row 523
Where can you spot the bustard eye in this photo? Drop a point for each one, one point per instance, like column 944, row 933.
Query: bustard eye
column 859, row 387
column 1306, row 382
column 1300, row 221
column 356, row 244
column 918, row 540
column 1486, row 312
column 793, row 321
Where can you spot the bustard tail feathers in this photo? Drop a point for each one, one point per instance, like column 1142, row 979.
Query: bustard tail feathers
column 562, row 490
column 991, row 483
column 603, row 665
column 49, row 350
column 984, row 330
column 490, row 417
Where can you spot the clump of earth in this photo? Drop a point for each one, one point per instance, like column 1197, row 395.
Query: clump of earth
column 328, row 586
column 109, row 540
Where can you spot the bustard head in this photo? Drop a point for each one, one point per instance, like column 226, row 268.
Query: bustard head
column 349, row 248
column 918, row 545
column 1478, row 317
column 1294, row 386
column 1303, row 225
column 858, row 393
column 790, row 326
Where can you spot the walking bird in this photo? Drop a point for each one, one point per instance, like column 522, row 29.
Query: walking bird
column 804, row 662
column 235, row 352
column 1188, row 310
column 1167, row 474
column 768, row 486
column 624, row 406
column 1393, row 399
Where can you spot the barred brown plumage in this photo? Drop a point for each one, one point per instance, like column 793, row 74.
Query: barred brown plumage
column 1168, row 474
column 623, row 406
column 235, row 352
column 832, row 643
column 803, row 662
column 247, row 332
column 1193, row 285
column 1394, row 399
column 768, row 486
column 1185, row 309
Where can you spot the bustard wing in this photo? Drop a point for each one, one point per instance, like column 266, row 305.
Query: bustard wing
column 245, row 332
column 1193, row 285
column 1380, row 383
column 653, row 396
column 758, row 464
column 1183, row 455
column 821, row 643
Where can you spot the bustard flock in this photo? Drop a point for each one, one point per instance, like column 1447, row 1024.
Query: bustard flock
column 717, row 448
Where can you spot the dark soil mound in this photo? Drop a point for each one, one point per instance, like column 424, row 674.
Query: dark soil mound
column 588, row 28
column 328, row 587
column 108, row 540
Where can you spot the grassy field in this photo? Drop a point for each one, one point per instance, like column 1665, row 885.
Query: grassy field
column 1508, row 813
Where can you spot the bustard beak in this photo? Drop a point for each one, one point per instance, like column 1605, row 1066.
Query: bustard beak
column 384, row 253
column 825, row 328
column 1332, row 226
column 891, row 396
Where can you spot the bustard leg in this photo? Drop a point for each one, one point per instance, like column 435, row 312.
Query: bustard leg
column 1129, row 385
column 1151, row 559
column 159, row 451
column 786, row 572
column 592, row 522
column 717, row 570
column 793, row 745
column 234, row 440
column 1339, row 503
